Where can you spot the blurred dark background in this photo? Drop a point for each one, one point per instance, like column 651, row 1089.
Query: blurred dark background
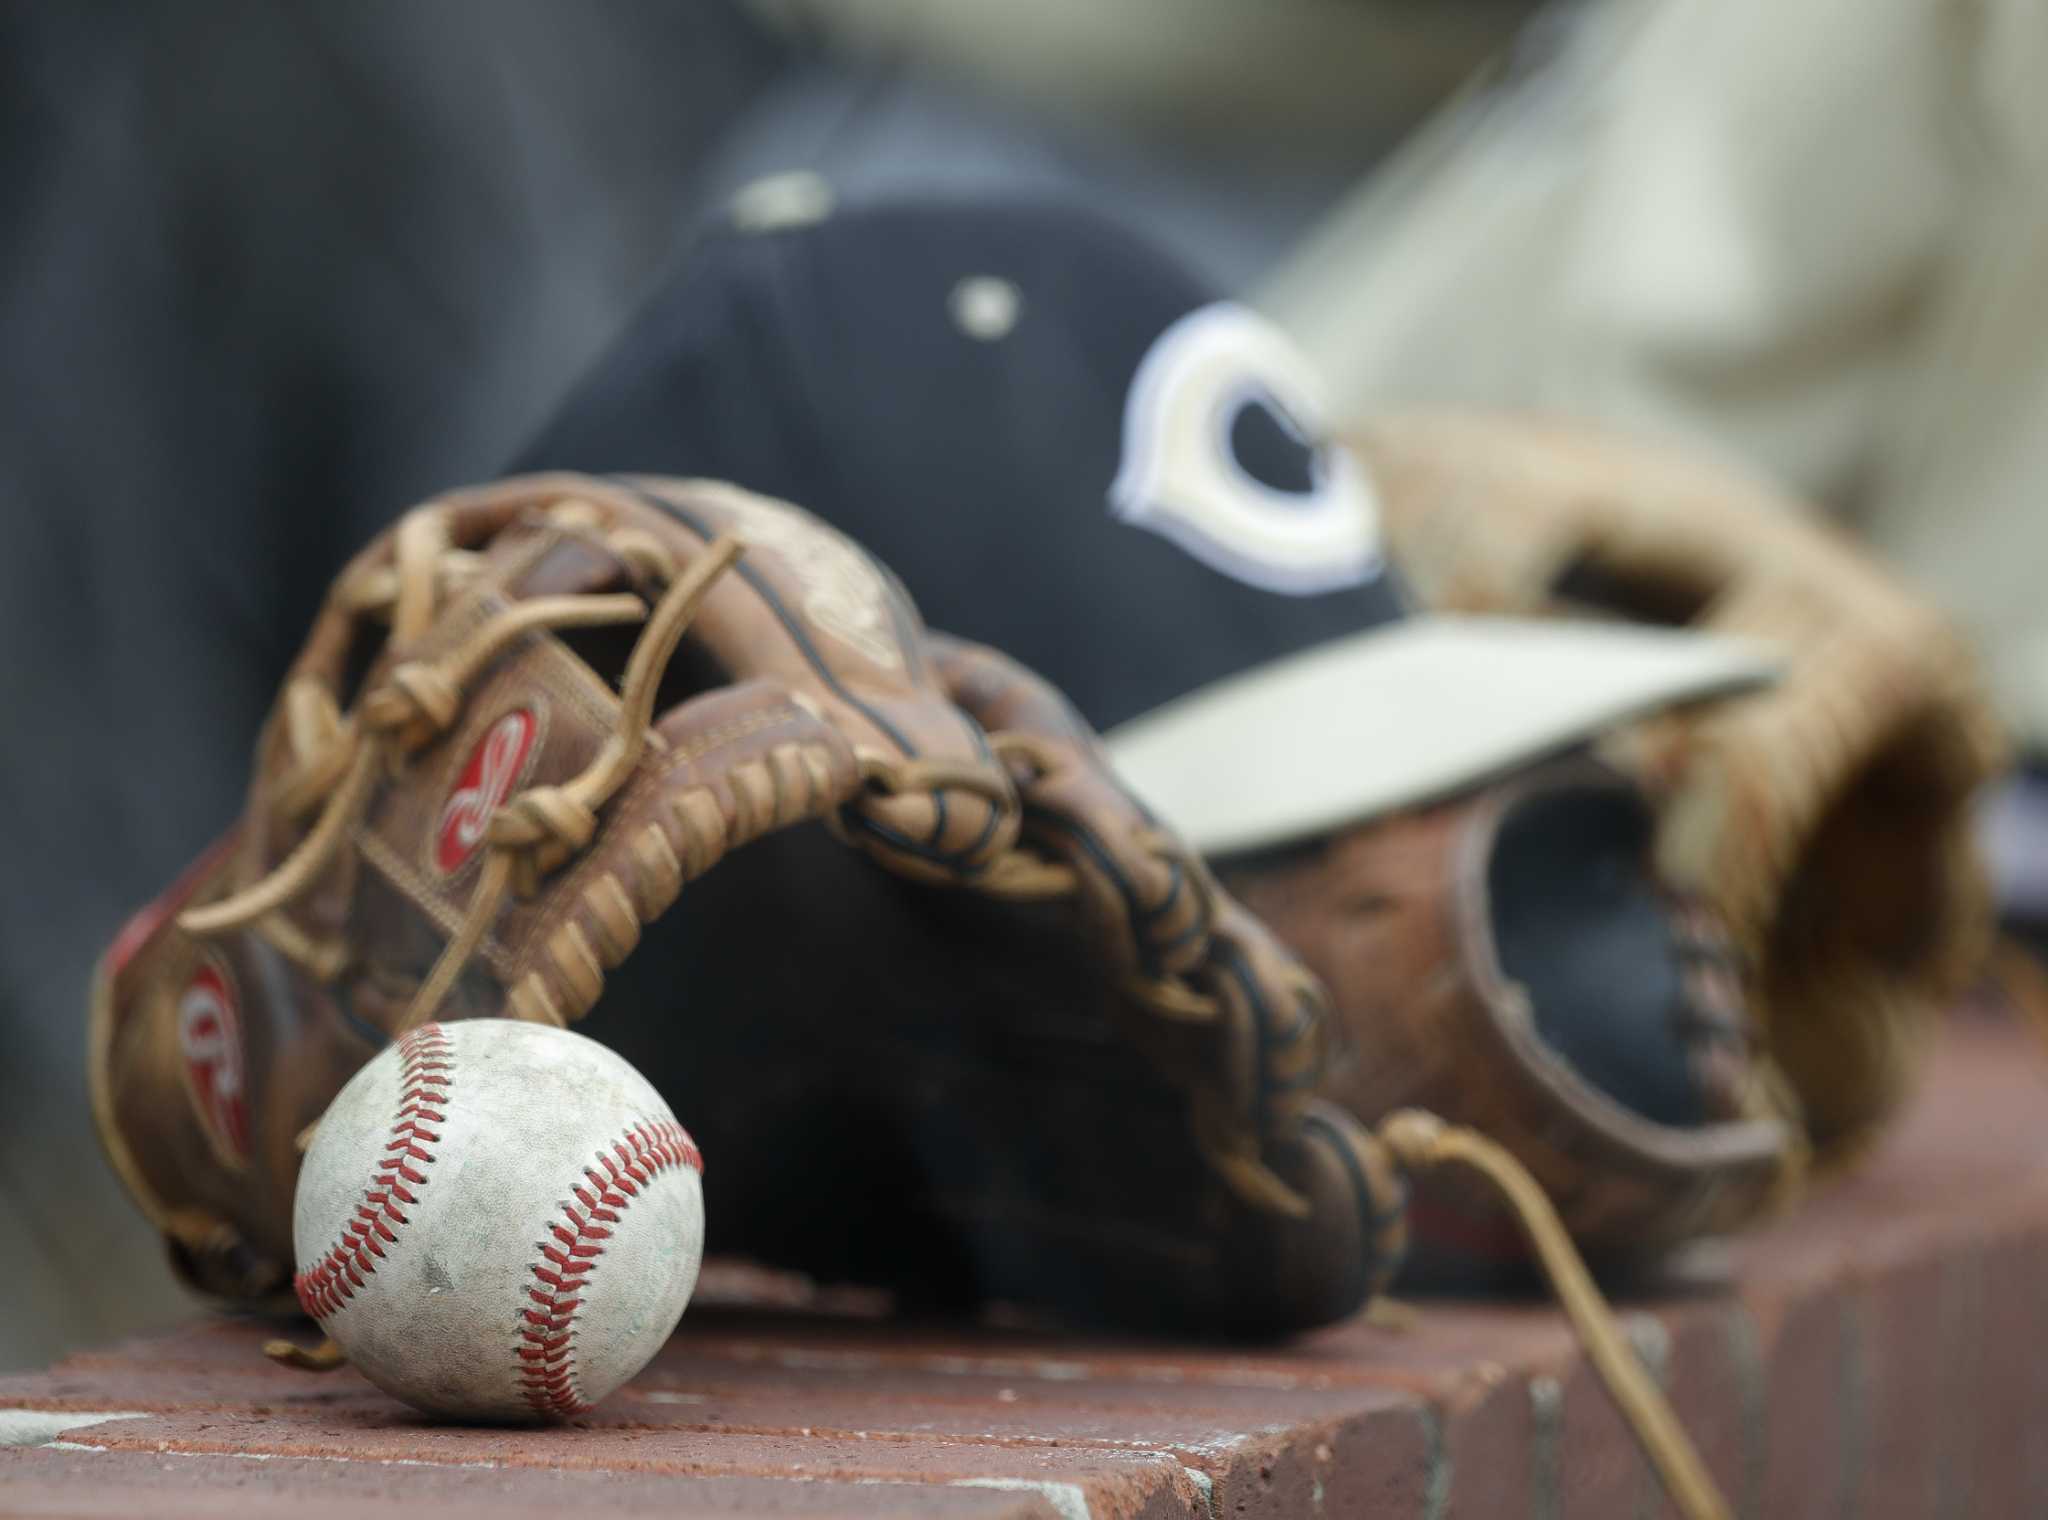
column 269, row 274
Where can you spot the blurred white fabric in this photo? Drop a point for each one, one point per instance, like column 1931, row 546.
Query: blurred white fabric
column 1294, row 81
column 1814, row 235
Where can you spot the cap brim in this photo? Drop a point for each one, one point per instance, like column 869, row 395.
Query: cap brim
column 1404, row 713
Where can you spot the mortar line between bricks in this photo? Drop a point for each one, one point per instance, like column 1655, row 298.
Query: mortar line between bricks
column 1325, row 1377
column 548, row 1460
column 21, row 1428
column 1218, row 1451
column 1652, row 1339
column 1069, row 1500
column 1206, row 1451
column 69, row 1404
column 267, row 1456
column 1082, row 1398
column 1436, row 1493
column 1214, row 1457
column 946, row 1380
column 1958, row 1318
column 1854, row 1435
column 1204, row 1483
column 1753, row 1406
column 705, row 1393
column 1546, row 1435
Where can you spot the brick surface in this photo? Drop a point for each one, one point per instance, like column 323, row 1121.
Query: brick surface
column 1878, row 1353
column 165, row 1487
column 1715, row 1377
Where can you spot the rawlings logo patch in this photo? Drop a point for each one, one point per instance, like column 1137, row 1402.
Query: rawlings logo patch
column 1227, row 454
column 494, row 768
column 210, row 1040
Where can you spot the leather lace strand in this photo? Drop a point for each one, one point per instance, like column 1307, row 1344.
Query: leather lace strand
column 420, row 700
column 1422, row 1141
column 563, row 819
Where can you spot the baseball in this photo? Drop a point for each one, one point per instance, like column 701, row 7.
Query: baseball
column 498, row 1221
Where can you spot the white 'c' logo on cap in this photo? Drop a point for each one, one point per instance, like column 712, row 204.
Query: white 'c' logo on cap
column 1183, row 476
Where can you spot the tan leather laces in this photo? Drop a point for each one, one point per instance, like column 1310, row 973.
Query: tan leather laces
column 1421, row 1141
column 535, row 831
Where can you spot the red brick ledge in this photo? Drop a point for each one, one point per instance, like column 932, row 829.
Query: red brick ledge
column 1879, row 1353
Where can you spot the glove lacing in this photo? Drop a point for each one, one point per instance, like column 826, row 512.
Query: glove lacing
column 533, row 832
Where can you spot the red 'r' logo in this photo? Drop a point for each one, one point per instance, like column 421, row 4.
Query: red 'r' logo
column 210, row 1039
column 493, row 767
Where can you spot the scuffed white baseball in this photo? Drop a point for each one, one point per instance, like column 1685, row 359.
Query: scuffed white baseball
column 498, row 1221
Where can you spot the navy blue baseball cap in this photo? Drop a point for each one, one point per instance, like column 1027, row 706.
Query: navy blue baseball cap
column 1069, row 446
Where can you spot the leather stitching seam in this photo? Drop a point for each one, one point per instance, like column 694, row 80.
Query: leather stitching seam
column 426, row 1062
column 575, row 1241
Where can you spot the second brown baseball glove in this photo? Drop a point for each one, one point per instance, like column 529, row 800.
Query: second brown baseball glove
column 1826, row 819
column 1507, row 958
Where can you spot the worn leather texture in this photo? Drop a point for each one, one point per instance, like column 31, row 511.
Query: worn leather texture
column 967, row 1022
column 1507, row 960
column 1826, row 819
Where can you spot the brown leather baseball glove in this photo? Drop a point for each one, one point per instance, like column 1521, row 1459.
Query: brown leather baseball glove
column 1825, row 819
column 1037, row 1055
column 1506, row 958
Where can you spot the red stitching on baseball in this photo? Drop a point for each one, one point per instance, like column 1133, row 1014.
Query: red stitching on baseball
column 425, row 1060
column 547, row 1331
